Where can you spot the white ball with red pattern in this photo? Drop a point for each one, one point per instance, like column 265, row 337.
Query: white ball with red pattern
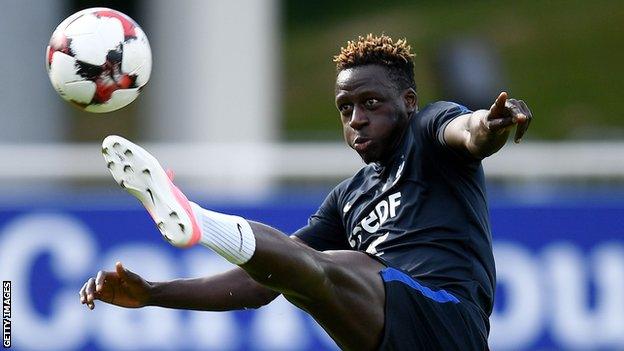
column 99, row 59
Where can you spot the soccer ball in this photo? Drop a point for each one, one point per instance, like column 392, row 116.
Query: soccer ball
column 99, row 59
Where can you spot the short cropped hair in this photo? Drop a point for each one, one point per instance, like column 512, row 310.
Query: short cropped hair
column 380, row 50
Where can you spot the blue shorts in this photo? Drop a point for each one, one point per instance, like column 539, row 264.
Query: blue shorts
column 421, row 318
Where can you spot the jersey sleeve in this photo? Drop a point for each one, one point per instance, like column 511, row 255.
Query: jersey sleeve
column 325, row 230
column 434, row 118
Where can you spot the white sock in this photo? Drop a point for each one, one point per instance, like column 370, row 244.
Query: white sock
column 229, row 236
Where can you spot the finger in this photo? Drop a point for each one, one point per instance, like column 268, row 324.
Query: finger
column 529, row 115
column 90, row 292
column 83, row 293
column 521, row 129
column 501, row 99
column 519, row 133
column 99, row 281
column 121, row 271
column 497, row 124
column 520, row 114
column 523, row 106
column 526, row 109
column 90, row 289
column 498, row 108
column 515, row 110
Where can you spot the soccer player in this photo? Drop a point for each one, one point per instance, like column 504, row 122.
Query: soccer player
column 398, row 257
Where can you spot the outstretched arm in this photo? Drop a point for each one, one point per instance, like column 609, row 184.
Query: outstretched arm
column 484, row 132
column 231, row 290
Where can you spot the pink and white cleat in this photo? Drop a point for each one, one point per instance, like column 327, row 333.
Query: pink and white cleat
column 141, row 175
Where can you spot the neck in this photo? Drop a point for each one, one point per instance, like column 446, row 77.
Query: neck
column 394, row 150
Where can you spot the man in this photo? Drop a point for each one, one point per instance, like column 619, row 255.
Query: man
column 398, row 257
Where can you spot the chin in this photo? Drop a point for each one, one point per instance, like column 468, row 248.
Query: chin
column 368, row 158
column 370, row 155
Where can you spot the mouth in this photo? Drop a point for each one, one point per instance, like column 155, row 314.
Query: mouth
column 361, row 143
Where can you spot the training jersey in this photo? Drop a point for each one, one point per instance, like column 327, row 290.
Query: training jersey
column 424, row 212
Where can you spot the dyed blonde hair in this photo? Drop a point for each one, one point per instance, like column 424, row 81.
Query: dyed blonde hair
column 380, row 50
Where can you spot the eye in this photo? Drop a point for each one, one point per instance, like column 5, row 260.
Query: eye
column 371, row 103
column 344, row 108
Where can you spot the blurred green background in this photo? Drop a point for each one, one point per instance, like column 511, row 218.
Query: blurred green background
column 563, row 57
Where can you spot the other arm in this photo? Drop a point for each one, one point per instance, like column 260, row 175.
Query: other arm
column 484, row 132
column 231, row 290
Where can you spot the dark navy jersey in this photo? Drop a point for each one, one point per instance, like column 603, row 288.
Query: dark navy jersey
column 424, row 212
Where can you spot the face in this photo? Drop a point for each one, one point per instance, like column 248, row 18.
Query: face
column 373, row 112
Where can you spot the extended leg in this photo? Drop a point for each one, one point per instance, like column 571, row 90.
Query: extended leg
column 342, row 290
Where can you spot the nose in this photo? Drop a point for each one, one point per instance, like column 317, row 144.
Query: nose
column 359, row 119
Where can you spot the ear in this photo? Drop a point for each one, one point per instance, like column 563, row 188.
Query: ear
column 410, row 98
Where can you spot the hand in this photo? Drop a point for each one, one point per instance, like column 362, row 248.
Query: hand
column 122, row 288
column 505, row 113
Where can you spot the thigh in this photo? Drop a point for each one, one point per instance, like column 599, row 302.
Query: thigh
column 350, row 303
